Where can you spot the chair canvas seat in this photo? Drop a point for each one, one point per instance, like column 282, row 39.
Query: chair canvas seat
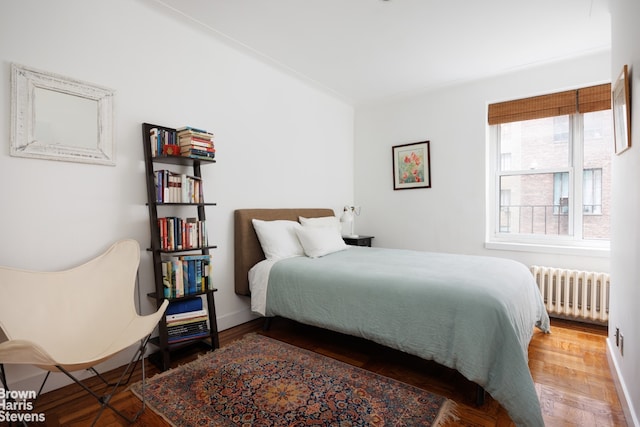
column 74, row 318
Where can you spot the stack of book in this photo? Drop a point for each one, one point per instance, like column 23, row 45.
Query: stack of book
column 186, row 320
column 187, row 275
column 196, row 143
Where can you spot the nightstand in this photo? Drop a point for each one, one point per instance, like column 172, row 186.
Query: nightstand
column 358, row 240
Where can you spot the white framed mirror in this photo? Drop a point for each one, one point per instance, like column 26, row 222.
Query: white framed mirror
column 58, row 118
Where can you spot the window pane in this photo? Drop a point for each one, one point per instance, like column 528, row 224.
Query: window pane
column 535, row 144
column 537, row 204
column 561, row 193
column 596, row 188
column 561, row 129
column 592, row 192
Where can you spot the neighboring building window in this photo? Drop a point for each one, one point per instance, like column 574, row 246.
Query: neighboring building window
column 505, row 214
column 561, row 193
column 552, row 171
column 591, row 192
column 505, row 161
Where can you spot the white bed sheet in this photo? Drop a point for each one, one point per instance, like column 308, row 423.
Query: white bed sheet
column 258, row 281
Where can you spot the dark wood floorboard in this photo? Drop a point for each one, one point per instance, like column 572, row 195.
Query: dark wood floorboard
column 569, row 367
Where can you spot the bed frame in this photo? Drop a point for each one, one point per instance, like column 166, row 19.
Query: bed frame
column 247, row 249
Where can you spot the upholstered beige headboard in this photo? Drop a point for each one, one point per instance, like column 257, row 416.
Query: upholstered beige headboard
column 247, row 249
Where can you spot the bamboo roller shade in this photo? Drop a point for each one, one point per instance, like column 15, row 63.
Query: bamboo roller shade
column 585, row 100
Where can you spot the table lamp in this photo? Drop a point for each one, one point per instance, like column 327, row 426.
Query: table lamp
column 349, row 217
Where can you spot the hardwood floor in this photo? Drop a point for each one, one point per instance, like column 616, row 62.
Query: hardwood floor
column 569, row 367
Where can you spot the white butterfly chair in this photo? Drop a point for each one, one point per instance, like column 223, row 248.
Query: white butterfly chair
column 72, row 320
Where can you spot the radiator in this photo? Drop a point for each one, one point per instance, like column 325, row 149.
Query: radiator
column 573, row 294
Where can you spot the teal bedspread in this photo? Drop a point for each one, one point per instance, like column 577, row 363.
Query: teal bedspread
column 470, row 313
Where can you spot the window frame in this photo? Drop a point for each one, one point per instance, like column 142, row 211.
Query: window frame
column 571, row 244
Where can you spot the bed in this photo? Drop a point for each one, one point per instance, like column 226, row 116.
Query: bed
column 470, row 313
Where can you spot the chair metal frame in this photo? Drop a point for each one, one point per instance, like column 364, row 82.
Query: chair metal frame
column 105, row 398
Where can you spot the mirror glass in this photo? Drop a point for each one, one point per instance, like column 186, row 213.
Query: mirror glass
column 65, row 120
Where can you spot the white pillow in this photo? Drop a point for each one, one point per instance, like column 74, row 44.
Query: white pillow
column 320, row 241
column 278, row 238
column 324, row 221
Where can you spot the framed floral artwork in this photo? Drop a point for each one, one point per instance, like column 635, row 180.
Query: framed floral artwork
column 411, row 166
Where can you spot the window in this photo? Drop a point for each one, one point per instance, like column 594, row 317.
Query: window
column 550, row 169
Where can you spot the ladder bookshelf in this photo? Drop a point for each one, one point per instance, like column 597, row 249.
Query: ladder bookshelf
column 177, row 244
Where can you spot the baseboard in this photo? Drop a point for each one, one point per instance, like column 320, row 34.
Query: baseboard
column 236, row 318
column 623, row 394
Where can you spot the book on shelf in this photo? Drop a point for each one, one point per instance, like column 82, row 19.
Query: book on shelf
column 191, row 141
column 187, row 275
column 172, row 279
column 183, row 338
column 210, row 152
column 196, row 333
column 198, row 153
column 188, row 130
column 200, row 157
column 187, row 315
column 188, row 328
column 196, row 147
column 184, row 306
column 184, row 333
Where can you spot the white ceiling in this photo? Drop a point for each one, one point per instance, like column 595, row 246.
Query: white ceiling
column 365, row 50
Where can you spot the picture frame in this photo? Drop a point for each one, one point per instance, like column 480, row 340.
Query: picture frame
column 59, row 118
column 411, row 165
column 620, row 99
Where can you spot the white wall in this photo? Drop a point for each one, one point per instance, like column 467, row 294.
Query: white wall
column 280, row 142
column 451, row 216
column 625, row 242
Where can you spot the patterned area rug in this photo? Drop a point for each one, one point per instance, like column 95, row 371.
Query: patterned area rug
column 259, row 381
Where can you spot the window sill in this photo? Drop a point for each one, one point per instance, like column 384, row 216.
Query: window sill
column 601, row 251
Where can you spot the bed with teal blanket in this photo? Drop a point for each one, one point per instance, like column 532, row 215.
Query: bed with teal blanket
column 470, row 313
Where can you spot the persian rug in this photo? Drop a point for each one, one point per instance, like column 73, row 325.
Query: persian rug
column 259, row 381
